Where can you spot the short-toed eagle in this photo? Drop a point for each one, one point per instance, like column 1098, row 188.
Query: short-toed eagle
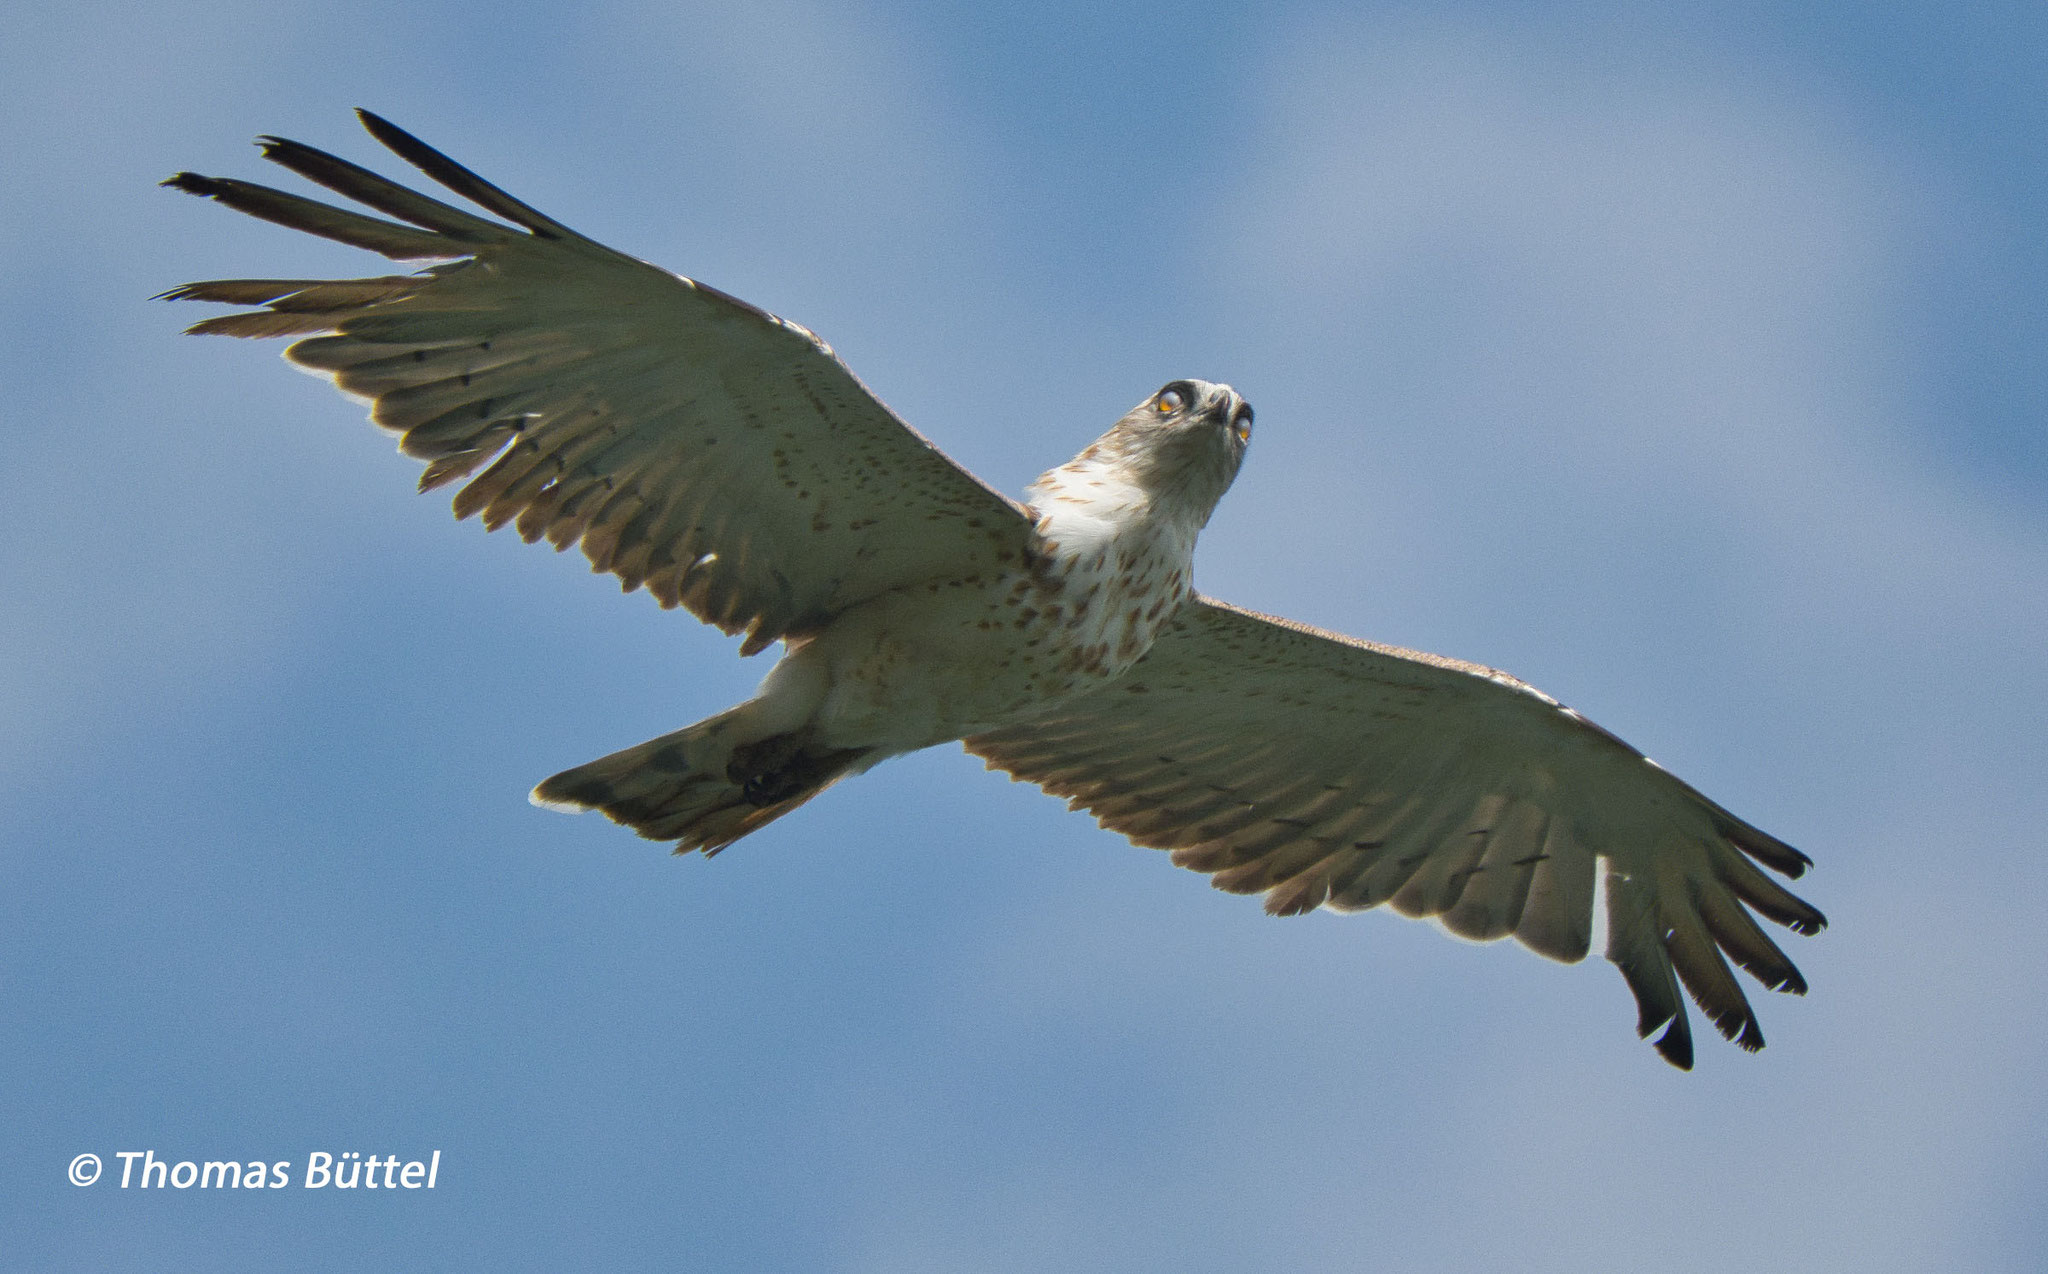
column 723, row 459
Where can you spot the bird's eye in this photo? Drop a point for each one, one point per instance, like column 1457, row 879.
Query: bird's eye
column 1242, row 426
column 1170, row 401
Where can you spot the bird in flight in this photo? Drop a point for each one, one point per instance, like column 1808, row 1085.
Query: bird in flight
column 727, row 462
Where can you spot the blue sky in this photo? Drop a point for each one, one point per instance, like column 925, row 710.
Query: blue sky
column 1687, row 364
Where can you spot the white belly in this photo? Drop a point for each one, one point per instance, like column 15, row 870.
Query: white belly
column 942, row 661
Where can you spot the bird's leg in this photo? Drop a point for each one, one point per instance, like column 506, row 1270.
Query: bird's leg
column 778, row 768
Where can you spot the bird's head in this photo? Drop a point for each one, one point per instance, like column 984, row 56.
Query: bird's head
column 1185, row 442
column 1174, row 454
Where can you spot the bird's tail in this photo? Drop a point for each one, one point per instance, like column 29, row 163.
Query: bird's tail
column 698, row 787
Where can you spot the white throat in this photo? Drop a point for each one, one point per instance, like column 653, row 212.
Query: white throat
column 1123, row 558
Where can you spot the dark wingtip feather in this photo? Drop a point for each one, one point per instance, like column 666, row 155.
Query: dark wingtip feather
column 1762, row 846
column 381, row 193
column 392, row 239
column 1739, row 1026
column 193, row 184
column 1806, row 922
column 459, row 179
column 1675, row 1044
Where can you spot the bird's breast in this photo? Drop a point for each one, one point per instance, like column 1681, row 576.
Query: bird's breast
column 949, row 658
column 1100, row 607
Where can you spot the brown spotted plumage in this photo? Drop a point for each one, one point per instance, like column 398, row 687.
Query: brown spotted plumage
column 725, row 461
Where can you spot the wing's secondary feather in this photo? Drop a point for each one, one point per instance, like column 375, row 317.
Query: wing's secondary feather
column 1323, row 771
column 693, row 444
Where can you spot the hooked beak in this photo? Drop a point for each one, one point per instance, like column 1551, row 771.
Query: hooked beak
column 1227, row 410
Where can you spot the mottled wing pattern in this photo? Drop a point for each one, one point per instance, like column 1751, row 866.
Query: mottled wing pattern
column 1323, row 771
column 692, row 444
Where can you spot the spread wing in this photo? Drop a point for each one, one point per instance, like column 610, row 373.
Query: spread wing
column 1322, row 771
column 691, row 443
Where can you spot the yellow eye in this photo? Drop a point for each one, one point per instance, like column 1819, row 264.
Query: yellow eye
column 1243, row 428
column 1170, row 401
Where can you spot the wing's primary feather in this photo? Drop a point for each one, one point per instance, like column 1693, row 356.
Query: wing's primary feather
column 691, row 443
column 1323, row 771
